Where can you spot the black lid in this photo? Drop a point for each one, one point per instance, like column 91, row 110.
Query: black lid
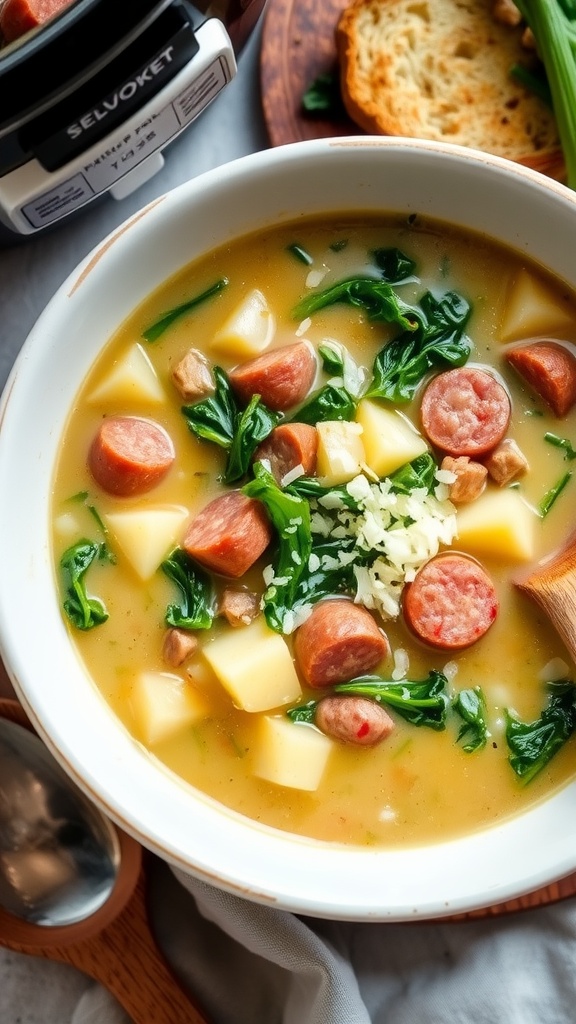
column 57, row 58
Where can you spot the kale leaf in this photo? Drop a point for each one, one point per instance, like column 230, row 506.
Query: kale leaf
column 533, row 744
column 195, row 610
column 470, row 705
column 82, row 611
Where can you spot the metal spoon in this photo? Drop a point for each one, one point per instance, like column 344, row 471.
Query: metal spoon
column 72, row 886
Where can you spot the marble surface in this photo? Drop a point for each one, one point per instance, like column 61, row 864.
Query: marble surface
column 34, row 991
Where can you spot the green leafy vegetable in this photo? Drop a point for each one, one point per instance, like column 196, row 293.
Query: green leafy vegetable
column 218, row 419
column 332, row 361
column 533, row 744
column 300, row 253
column 422, row 702
column 311, row 488
column 413, row 475
column 82, row 611
column 561, row 442
column 290, row 515
column 554, row 493
column 438, row 341
column 153, row 332
column 329, row 403
column 394, row 264
column 471, row 707
column 533, row 81
column 195, row 610
column 553, row 23
column 323, row 96
column 375, row 297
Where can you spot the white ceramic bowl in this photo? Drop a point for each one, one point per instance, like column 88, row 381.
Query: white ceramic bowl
column 507, row 202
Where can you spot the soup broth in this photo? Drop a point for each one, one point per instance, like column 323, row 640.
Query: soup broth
column 420, row 783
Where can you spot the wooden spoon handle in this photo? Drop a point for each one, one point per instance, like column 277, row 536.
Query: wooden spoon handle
column 124, row 957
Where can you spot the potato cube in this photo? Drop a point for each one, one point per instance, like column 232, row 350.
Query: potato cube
column 147, row 535
column 499, row 525
column 390, row 439
column 131, row 379
column 255, row 667
column 248, row 330
column 163, row 704
column 532, row 309
column 289, row 754
column 340, row 451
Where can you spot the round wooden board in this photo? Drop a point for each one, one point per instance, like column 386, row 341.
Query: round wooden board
column 297, row 46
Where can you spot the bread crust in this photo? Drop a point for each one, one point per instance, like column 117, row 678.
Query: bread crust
column 439, row 69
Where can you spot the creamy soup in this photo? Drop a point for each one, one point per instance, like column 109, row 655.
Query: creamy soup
column 306, row 651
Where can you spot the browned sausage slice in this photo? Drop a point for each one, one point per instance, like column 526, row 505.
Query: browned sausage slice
column 465, row 411
column 340, row 640
column 288, row 446
column 229, row 534
column 550, row 370
column 129, row 455
column 451, row 603
column 282, row 377
column 20, row 16
column 353, row 719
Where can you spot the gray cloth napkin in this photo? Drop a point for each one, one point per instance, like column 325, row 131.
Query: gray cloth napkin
column 251, row 964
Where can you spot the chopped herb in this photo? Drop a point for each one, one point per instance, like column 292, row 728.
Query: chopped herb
column 396, row 267
column 301, row 255
column 82, row 611
column 332, row 360
column 195, row 610
column 329, row 403
column 561, row 442
column 471, row 707
column 323, row 96
column 153, row 332
column 532, row 80
column 551, row 495
column 80, row 496
column 533, row 744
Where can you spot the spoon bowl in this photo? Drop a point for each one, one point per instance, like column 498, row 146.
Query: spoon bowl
column 94, row 917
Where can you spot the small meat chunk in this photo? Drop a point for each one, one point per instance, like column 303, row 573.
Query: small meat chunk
column 178, row 646
column 192, row 376
column 506, row 462
column 239, row 607
column 470, row 478
column 506, row 12
column 353, row 720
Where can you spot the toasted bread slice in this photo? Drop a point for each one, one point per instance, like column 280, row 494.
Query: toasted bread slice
column 440, row 69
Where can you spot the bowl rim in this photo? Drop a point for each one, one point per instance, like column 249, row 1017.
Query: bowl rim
column 142, row 796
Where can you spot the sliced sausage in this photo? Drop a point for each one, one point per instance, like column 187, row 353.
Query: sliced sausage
column 550, row 370
column 20, row 16
column 229, row 534
column 353, row 720
column 465, row 411
column 239, row 607
column 338, row 641
column 470, row 478
column 282, row 377
column 451, row 603
column 129, row 455
column 506, row 462
column 288, row 446
column 192, row 376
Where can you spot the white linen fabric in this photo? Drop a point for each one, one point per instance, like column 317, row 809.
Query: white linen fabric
column 251, row 964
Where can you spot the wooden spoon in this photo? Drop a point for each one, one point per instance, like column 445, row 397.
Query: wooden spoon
column 115, row 945
column 552, row 584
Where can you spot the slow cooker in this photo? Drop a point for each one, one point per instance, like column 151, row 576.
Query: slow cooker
column 90, row 97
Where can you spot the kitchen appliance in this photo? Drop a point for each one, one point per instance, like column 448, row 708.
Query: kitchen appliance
column 90, row 99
